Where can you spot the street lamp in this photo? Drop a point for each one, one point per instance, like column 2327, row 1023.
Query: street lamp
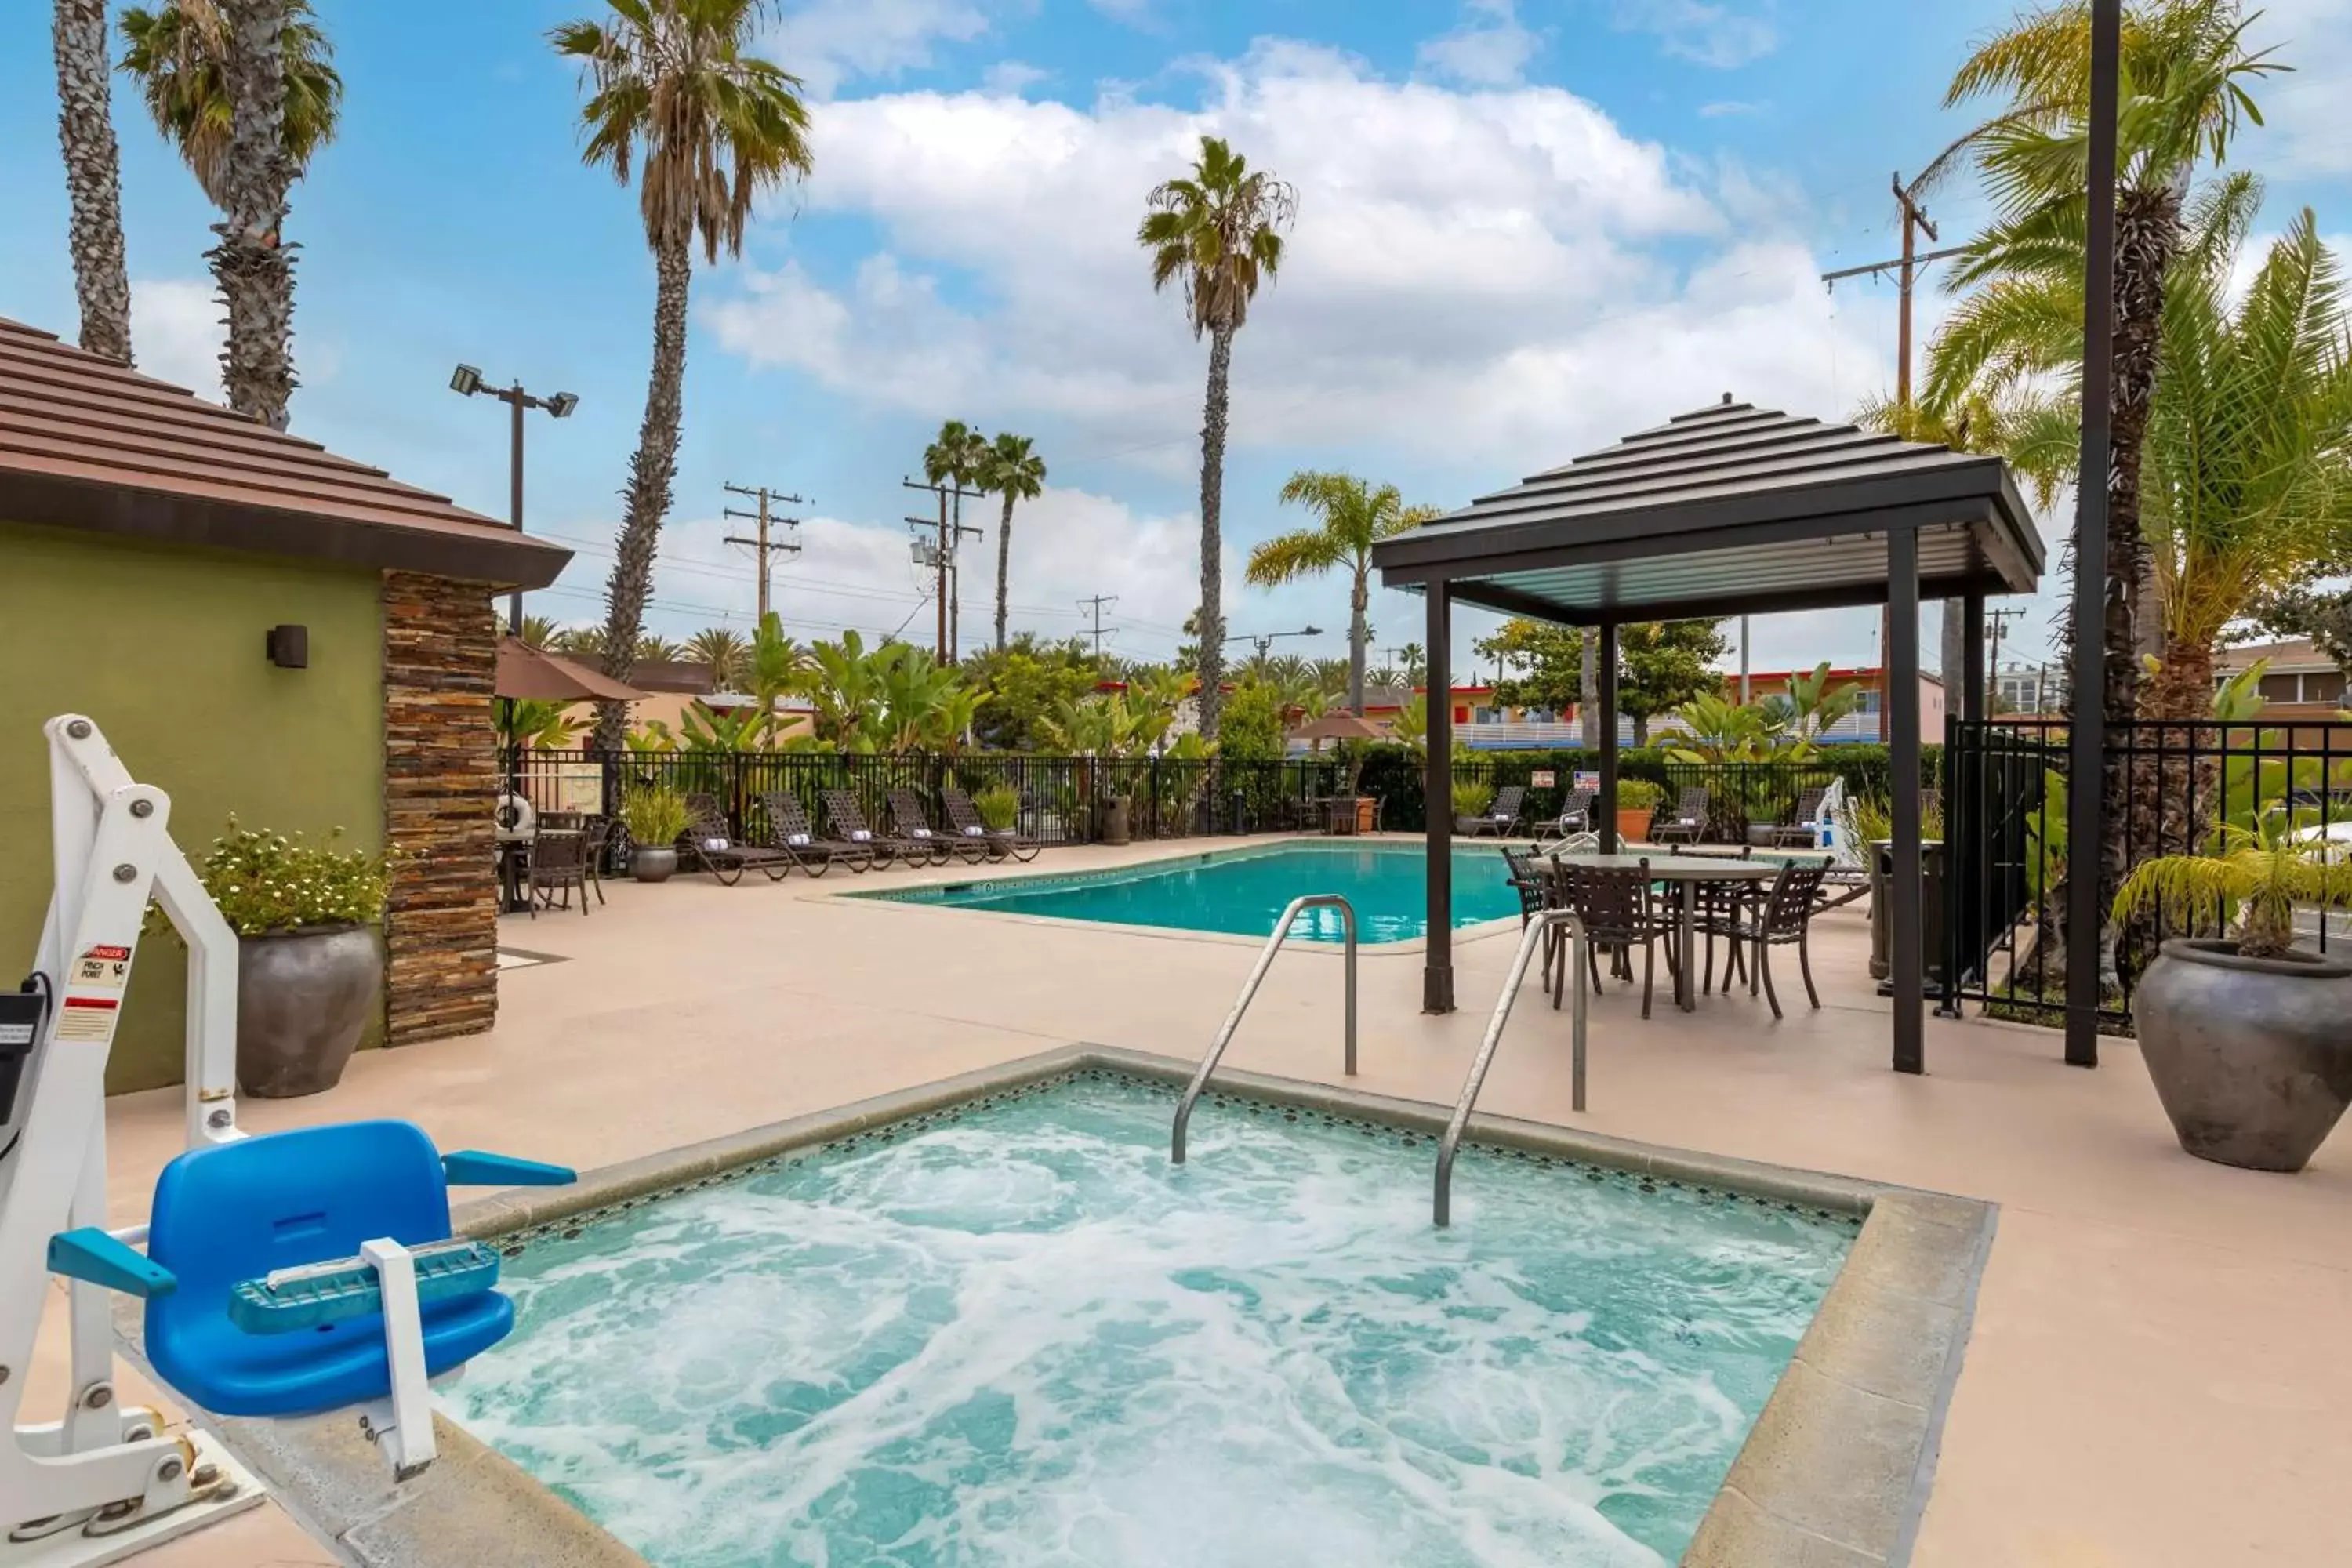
column 1265, row 640
column 466, row 380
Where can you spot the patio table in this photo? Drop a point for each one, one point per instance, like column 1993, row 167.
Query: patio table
column 1683, row 873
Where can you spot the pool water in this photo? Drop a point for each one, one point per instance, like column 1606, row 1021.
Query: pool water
column 1244, row 891
column 1016, row 1335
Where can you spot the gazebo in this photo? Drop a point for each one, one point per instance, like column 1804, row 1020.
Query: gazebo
column 1728, row 510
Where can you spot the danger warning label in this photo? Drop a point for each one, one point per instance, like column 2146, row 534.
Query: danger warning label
column 108, row 968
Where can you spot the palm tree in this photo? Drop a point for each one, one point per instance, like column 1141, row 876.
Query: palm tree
column 245, row 90
column 1218, row 232
column 542, row 632
column 1353, row 518
column 2248, row 481
column 954, row 458
column 677, row 97
column 1009, row 470
column 652, row 646
column 723, row 650
column 93, row 177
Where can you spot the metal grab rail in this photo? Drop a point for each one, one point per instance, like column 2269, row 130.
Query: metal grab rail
column 1249, row 990
column 1573, row 956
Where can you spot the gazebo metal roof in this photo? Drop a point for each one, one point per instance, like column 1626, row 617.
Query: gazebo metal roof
column 1727, row 510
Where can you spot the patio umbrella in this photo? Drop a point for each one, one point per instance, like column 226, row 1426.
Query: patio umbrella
column 528, row 675
column 1340, row 726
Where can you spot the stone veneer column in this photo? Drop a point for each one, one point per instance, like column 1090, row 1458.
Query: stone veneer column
column 440, row 781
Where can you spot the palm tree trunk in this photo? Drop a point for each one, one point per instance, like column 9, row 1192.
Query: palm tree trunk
column 93, row 178
column 2147, row 235
column 252, row 262
column 1359, row 603
column 646, row 501
column 1003, row 558
column 1213, row 490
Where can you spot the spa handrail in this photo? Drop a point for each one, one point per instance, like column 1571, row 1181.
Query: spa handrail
column 1249, row 990
column 1573, row 957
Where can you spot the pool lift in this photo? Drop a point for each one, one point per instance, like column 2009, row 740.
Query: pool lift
column 290, row 1274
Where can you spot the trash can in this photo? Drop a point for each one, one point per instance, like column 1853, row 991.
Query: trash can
column 1931, row 914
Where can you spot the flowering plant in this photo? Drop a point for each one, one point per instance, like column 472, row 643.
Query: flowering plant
column 266, row 882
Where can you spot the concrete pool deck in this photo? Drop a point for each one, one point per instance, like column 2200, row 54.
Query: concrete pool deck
column 2155, row 1375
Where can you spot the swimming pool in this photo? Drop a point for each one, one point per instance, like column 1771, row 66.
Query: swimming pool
column 1010, row 1332
column 1244, row 890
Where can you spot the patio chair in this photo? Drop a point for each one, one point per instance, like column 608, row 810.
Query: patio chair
column 912, row 822
column 965, row 818
column 1782, row 918
column 596, row 831
column 1802, row 829
column 1718, row 909
column 1686, row 823
column 1618, row 910
column 1575, row 818
column 1537, row 890
column 790, row 830
column 558, row 864
column 848, row 822
column 1501, row 819
column 710, row 845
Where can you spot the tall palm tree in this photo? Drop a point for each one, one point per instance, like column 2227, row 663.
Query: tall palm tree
column 245, row 90
column 1218, row 233
column 677, row 97
column 1011, row 470
column 654, row 648
column 1352, row 516
column 723, row 649
column 540, row 631
column 93, row 177
column 955, row 459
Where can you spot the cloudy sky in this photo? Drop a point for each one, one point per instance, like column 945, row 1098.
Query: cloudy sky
column 1525, row 227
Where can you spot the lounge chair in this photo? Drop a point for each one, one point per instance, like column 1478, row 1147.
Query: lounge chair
column 1686, row 823
column 848, row 821
column 965, row 818
column 1501, row 819
column 913, row 822
column 710, row 845
column 1575, row 819
column 789, row 829
column 1802, row 830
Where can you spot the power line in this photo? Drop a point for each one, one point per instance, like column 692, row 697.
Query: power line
column 762, row 545
column 941, row 557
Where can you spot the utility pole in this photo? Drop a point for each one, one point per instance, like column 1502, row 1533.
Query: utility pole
column 1995, row 621
column 941, row 557
column 1096, row 605
column 761, row 544
column 1747, row 689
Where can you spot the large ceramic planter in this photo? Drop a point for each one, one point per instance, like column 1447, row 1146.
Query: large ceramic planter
column 653, row 862
column 1634, row 824
column 303, row 1000
column 2252, row 1057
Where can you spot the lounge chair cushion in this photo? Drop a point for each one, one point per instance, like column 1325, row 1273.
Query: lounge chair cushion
column 975, row 832
column 860, row 835
column 797, row 840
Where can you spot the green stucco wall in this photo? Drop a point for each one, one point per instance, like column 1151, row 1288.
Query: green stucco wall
column 163, row 646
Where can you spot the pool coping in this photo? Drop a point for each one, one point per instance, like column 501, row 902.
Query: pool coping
column 1176, row 849
column 1835, row 1473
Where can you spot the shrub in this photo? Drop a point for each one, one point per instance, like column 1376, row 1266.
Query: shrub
column 1472, row 797
column 1638, row 795
column 268, row 882
column 999, row 806
column 654, row 817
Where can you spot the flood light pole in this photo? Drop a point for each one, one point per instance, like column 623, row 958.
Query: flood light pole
column 466, row 380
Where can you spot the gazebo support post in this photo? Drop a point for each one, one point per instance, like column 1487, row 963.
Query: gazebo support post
column 1606, row 658
column 1905, row 954
column 1437, row 969
column 1963, row 808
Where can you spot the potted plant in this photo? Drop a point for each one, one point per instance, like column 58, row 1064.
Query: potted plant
column 999, row 807
column 2246, row 1038
column 654, row 816
column 1472, row 797
column 309, row 958
column 1637, row 802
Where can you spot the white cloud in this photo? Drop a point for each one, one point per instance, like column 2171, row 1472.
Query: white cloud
column 1728, row 108
column 1490, row 48
column 1482, row 276
column 2303, row 110
column 1010, row 78
column 1722, row 34
column 828, row 42
column 177, row 328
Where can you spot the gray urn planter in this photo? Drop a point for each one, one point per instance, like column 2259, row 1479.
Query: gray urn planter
column 303, row 1000
column 653, row 862
column 2252, row 1057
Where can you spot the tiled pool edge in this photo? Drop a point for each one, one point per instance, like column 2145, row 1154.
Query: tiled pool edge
column 1835, row 1474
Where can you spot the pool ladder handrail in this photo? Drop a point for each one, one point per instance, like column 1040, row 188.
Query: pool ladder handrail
column 1297, row 906
column 1572, row 956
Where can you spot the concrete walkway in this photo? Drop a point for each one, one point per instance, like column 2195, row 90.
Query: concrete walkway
column 2156, row 1377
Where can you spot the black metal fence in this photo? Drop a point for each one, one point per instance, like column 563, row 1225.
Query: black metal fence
column 2007, row 857
column 1063, row 800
